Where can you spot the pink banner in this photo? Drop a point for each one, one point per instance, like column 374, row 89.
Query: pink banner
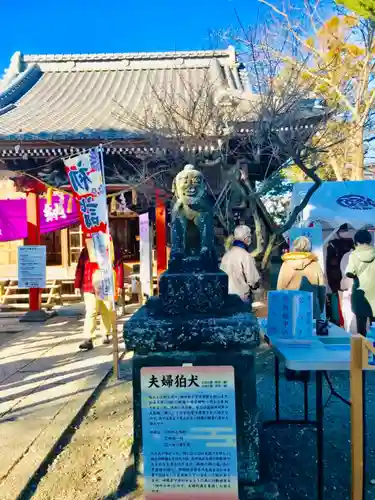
column 13, row 221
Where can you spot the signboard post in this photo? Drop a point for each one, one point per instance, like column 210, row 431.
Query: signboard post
column 32, row 261
column 189, row 432
column 145, row 252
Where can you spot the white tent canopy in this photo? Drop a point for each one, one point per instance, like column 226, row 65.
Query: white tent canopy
column 337, row 203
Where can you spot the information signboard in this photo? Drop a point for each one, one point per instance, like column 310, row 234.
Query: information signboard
column 32, row 263
column 189, row 433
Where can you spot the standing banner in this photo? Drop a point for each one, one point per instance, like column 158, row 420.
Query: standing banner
column 145, row 254
column 86, row 176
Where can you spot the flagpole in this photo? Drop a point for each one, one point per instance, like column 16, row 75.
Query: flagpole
column 116, row 370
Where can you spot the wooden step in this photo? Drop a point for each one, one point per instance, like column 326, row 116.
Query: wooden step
column 23, row 307
column 48, row 287
column 26, row 296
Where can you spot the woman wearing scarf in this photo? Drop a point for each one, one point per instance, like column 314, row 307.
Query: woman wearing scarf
column 301, row 271
column 239, row 265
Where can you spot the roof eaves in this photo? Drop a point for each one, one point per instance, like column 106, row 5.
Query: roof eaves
column 19, row 86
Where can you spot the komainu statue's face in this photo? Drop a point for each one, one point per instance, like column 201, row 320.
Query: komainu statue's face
column 190, row 186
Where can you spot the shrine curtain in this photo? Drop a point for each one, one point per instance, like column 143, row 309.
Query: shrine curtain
column 13, row 220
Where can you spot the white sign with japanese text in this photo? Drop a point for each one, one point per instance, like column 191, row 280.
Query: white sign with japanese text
column 145, row 253
column 189, row 433
column 32, row 263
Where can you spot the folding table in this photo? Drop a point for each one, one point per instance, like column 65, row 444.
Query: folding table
column 319, row 355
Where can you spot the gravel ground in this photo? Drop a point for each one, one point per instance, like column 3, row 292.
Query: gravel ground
column 290, row 452
column 91, row 467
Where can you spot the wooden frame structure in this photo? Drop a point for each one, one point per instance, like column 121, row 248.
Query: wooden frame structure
column 360, row 349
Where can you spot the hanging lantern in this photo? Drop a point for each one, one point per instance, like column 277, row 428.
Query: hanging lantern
column 49, row 196
column 113, row 205
column 134, row 197
column 69, row 208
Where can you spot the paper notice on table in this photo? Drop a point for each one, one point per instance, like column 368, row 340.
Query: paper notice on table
column 290, row 314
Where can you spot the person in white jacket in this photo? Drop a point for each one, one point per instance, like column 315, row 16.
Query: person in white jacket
column 239, row 265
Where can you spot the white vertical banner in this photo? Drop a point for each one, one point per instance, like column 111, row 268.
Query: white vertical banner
column 145, row 254
column 86, row 176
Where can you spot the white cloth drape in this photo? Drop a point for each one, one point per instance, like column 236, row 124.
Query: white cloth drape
column 350, row 322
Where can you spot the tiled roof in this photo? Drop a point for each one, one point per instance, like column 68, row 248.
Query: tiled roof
column 105, row 96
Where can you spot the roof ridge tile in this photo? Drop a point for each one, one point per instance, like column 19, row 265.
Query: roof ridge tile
column 30, row 58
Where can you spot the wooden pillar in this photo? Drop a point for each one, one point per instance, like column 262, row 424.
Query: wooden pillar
column 161, row 234
column 356, row 410
column 33, row 238
column 65, row 249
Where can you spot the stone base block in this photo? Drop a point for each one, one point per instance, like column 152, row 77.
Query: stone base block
column 192, row 292
column 233, row 328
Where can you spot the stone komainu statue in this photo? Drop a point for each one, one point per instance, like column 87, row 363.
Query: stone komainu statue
column 192, row 218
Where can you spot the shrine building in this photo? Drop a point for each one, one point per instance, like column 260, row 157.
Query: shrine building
column 54, row 106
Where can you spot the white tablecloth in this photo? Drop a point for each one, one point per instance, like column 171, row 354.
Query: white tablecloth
column 312, row 354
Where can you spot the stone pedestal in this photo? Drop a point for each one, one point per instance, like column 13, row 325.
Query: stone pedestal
column 232, row 327
column 192, row 292
column 194, row 320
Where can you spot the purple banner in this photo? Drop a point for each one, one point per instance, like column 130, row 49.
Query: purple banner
column 13, row 223
column 55, row 216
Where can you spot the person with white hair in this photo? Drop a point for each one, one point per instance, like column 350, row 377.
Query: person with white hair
column 240, row 266
column 301, row 271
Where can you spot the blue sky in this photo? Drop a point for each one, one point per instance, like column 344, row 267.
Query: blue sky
column 71, row 26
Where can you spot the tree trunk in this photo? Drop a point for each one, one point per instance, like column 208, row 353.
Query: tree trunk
column 269, row 250
column 358, row 173
column 337, row 169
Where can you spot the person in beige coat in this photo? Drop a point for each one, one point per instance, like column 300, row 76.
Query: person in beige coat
column 301, row 271
column 240, row 266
